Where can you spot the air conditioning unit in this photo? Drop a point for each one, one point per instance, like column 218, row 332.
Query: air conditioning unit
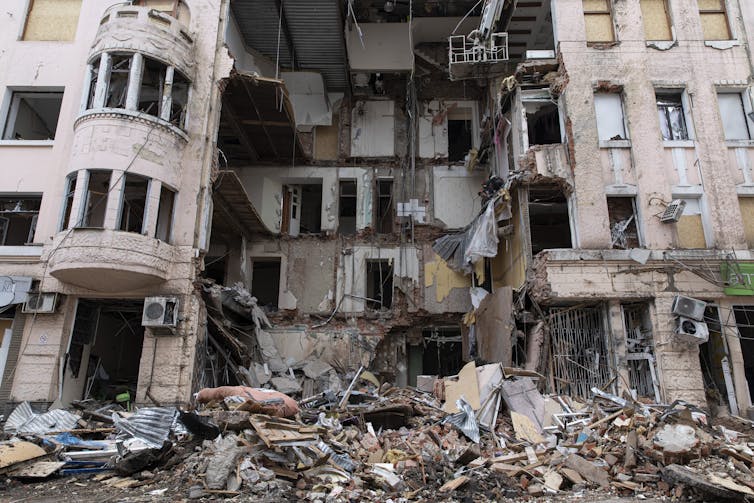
column 673, row 212
column 40, row 303
column 689, row 308
column 692, row 331
column 160, row 312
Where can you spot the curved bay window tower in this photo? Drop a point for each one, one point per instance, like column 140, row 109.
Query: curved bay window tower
column 126, row 168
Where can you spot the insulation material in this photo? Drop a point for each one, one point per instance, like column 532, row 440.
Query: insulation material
column 52, row 20
column 493, row 327
column 747, row 213
column 373, row 129
column 443, row 278
column 656, row 20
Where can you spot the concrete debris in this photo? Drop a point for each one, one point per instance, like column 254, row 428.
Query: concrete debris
column 377, row 442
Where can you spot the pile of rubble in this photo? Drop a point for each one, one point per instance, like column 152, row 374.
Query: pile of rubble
column 487, row 433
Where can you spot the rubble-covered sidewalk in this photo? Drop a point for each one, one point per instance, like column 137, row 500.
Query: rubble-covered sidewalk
column 486, row 434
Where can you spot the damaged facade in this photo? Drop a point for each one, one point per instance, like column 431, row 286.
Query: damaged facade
column 393, row 196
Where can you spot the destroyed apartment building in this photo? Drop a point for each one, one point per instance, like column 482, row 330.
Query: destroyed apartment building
column 280, row 193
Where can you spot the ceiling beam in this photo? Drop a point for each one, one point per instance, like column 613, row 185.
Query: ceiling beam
column 259, row 114
column 235, row 125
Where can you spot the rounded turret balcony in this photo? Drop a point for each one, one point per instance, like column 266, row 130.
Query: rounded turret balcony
column 105, row 260
column 130, row 28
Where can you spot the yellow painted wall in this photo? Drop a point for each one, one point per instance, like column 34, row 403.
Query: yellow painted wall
column 509, row 266
column 443, row 278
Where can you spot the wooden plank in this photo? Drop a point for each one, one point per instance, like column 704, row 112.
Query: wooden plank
column 16, row 452
column 40, row 469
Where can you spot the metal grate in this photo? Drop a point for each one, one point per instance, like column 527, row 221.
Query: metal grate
column 642, row 376
column 579, row 349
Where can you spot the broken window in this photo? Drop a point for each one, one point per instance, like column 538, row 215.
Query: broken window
column 311, row 209
column 95, row 199
column 747, row 213
column 215, row 267
column 714, row 20
column 642, row 373
column 611, row 124
column 624, row 232
column 379, row 284
column 460, row 133
column 165, row 214
column 133, row 203
column 347, row 207
column 745, row 323
column 672, row 115
column 265, row 282
column 70, row 191
column 384, row 216
column 736, row 124
column 118, row 84
column 105, row 350
column 580, row 354
column 656, row 19
column 32, row 116
column 52, row 20
column 441, row 355
column 18, row 220
column 152, row 86
column 690, row 227
column 179, row 100
column 599, row 21
column 542, row 121
column 549, row 223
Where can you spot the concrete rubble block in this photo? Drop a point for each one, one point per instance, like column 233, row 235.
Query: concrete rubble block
column 233, row 420
column 588, row 470
column 223, row 462
column 677, row 474
column 676, row 439
column 285, row 385
column 426, row 383
column 316, row 368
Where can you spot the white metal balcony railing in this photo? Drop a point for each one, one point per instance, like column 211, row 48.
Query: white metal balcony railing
column 466, row 50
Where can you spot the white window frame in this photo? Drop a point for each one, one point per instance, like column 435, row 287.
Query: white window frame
column 745, row 95
column 9, row 111
column 602, row 110
column 686, row 106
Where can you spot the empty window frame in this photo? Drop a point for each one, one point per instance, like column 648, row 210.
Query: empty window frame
column 656, row 17
column 460, row 132
column 133, row 203
column 672, row 115
column 52, row 20
column 117, row 87
column 549, row 223
column 18, row 219
column 714, row 18
column 733, row 112
column 70, row 191
column 379, row 284
column 152, row 87
column 165, row 214
column 624, row 232
column 542, row 121
column 747, row 213
column 347, row 205
column 311, row 209
column 265, row 282
column 32, row 115
column 744, row 316
column 95, row 199
column 611, row 124
column 581, row 357
column 384, row 215
column 640, row 359
column 598, row 18
column 690, row 227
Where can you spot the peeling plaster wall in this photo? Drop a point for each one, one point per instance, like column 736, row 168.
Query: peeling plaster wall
column 636, row 68
column 455, row 193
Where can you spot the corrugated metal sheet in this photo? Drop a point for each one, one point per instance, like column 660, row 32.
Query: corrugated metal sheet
column 24, row 420
column 316, row 30
column 151, row 425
